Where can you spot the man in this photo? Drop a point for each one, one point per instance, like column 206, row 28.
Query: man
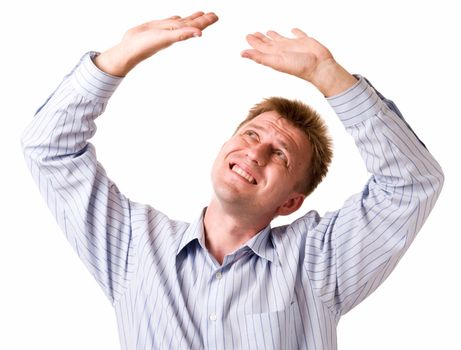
column 228, row 280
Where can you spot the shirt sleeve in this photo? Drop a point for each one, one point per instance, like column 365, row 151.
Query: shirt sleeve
column 88, row 207
column 350, row 252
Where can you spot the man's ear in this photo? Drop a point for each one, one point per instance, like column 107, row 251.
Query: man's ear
column 291, row 204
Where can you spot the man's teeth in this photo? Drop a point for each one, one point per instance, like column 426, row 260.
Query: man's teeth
column 244, row 174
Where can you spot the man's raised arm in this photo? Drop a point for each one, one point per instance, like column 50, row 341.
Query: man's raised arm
column 96, row 218
column 351, row 251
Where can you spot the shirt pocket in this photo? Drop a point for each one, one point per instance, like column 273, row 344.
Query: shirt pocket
column 273, row 330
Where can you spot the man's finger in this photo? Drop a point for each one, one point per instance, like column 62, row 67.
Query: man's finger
column 256, row 42
column 252, row 54
column 202, row 21
column 172, row 17
column 262, row 37
column 260, row 57
column 274, row 35
column 299, row 33
column 187, row 33
column 194, row 16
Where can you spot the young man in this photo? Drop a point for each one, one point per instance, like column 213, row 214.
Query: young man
column 228, row 280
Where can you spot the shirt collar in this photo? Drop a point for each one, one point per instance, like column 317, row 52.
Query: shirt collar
column 261, row 244
column 195, row 231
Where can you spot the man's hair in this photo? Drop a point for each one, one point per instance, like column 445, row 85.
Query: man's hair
column 309, row 121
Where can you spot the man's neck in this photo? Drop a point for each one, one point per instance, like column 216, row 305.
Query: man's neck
column 226, row 231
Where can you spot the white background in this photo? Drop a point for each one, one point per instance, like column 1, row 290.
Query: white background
column 165, row 124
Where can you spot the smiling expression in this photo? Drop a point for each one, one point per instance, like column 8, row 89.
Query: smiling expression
column 258, row 170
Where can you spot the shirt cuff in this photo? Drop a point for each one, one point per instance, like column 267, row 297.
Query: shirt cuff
column 357, row 104
column 92, row 82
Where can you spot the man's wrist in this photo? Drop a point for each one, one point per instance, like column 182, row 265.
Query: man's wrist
column 332, row 79
column 113, row 62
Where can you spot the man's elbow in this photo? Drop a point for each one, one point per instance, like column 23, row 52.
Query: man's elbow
column 437, row 180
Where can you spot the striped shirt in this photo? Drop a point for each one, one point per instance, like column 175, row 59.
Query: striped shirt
column 286, row 288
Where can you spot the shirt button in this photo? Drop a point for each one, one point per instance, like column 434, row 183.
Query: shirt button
column 213, row 317
column 218, row 275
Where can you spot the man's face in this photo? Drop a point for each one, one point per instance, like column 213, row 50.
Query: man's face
column 258, row 169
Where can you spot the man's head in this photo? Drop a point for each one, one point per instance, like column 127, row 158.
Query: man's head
column 277, row 156
column 305, row 118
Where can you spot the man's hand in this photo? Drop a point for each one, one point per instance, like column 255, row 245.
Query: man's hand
column 145, row 40
column 301, row 56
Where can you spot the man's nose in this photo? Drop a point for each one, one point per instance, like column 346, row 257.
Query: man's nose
column 259, row 153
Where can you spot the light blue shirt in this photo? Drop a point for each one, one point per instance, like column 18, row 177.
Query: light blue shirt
column 286, row 288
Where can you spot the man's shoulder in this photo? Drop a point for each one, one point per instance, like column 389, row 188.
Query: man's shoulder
column 310, row 226
column 152, row 221
column 303, row 224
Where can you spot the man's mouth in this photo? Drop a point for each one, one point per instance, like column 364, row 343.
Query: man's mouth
column 236, row 169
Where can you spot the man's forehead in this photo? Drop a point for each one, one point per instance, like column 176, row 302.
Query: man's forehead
column 272, row 122
column 261, row 128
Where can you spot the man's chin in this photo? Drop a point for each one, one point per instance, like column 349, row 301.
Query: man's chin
column 229, row 195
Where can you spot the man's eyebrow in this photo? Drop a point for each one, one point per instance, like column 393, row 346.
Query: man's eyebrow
column 282, row 143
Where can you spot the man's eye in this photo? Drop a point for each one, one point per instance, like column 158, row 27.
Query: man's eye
column 251, row 134
column 279, row 154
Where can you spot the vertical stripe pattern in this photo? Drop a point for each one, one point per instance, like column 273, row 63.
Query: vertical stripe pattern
column 286, row 288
